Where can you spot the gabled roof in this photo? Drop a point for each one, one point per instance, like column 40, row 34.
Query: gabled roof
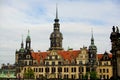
column 100, row 56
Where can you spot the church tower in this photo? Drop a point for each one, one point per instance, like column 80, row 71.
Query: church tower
column 115, row 41
column 56, row 36
column 92, row 54
column 28, row 42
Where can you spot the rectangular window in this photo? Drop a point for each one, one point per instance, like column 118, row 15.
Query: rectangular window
column 107, row 76
column 103, row 70
column 73, row 76
column 59, row 63
column 82, row 69
column 100, row 70
column 47, row 63
column 53, row 70
column 65, row 69
column 74, row 69
column 79, row 69
column 59, row 69
column 39, row 69
column 107, row 70
column 30, row 62
column 80, row 62
column 104, row 76
column 47, row 69
column 53, row 63
column 42, row 70
column 25, row 69
column 36, row 69
column 66, row 76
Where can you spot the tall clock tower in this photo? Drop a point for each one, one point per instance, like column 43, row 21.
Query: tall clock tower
column 56, row 36
column 92, row 55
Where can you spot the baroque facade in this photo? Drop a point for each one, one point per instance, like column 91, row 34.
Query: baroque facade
column 62, row 64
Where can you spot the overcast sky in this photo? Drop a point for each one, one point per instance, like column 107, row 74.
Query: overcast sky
column 77, row 17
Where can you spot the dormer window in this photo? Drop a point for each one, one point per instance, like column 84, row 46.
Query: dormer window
column 53, row 63
column 28, row 57
column 48, row 57
column 73, row 61
column 47, row 63
column 53, row 57
column 80, row 62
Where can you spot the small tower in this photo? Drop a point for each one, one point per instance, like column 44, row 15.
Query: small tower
column 28, row 42
column 92, row 54
column 56, row 36
column 22, row 46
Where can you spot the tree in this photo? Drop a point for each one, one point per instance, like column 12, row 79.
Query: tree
column 85, row 77
column 93, row 75
column 29, row 74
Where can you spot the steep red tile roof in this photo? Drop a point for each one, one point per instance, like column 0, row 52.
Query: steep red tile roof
column 101, row 55
column 66, row 55
column 39, row 55
column 69, row 55
column 110, row 55
column 72, row 54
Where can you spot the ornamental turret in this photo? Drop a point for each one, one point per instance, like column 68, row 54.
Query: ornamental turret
column 28, row 42
column 22, row 46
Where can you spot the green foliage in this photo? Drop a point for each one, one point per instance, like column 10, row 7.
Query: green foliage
column 85, row 76
column 29, row 74
column 93, row 75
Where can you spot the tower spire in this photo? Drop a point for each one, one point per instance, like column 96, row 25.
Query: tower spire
column 56, row 36
column 56, row 19
column 28, row 41
column 92, row 39
column 56, row 11
column 28, row 32
column 22, row 42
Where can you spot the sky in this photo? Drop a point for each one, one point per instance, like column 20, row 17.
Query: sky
column 77, row 18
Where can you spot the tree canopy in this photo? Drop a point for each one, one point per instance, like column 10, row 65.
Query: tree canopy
column 29, row 74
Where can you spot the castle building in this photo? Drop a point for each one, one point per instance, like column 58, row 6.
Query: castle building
column 59, row 63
